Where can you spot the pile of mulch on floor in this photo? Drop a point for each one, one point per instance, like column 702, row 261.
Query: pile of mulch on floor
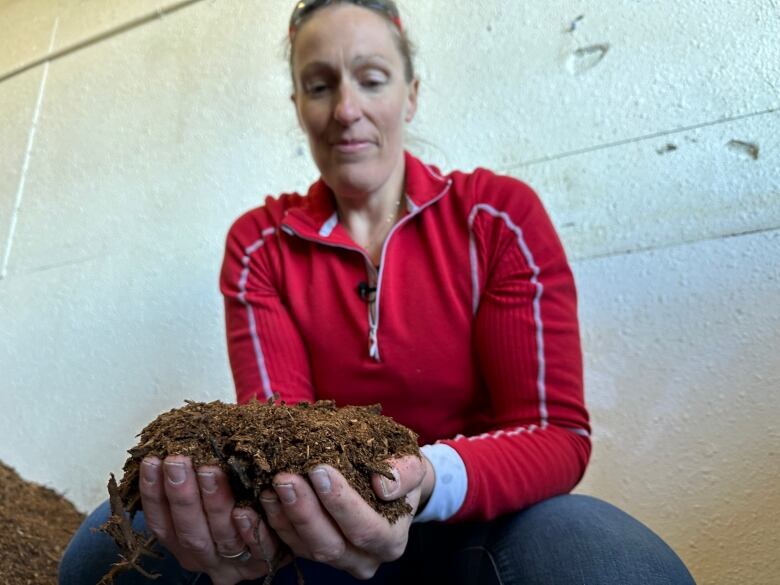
column 36, row 525
column 252, row 443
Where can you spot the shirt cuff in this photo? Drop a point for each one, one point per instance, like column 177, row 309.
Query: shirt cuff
column 450, row 485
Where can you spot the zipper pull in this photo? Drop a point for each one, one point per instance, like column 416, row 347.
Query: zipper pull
column 373, row 345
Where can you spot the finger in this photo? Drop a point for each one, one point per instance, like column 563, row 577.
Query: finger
column 218, row 505
column 189, row 519
column 408, row 472
column 312, row 523
column 280, row 524
column 258, row 541
column 155, row 504
column 262, row 542
column 318, row 532
column 362, row 526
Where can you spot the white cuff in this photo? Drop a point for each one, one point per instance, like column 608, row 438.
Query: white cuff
column 450, row 485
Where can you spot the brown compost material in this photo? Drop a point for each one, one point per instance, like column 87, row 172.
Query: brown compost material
column 252, row 443
column 37, row 524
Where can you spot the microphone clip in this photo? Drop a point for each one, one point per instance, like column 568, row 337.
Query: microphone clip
column 366, row 292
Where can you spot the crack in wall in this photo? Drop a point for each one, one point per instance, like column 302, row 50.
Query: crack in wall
column 635, row 139
column 63, row 264
column 691, row 242
column 52, row 55
column 26, row 162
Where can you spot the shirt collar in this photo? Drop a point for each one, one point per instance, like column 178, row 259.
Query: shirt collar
column 317, row 219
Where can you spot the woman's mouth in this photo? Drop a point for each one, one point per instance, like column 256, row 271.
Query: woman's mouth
column 351, row 146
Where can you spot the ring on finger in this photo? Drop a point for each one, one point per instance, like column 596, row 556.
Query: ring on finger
column 241, row 557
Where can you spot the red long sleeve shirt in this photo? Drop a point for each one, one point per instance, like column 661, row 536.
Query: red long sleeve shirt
column 472, row 339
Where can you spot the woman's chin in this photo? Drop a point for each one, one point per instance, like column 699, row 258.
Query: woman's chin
column 350, row 180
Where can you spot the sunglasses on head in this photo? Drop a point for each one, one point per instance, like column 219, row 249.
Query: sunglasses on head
column 305, row 7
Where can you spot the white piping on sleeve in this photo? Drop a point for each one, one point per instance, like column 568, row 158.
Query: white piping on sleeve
column 529, row 258
column 259, row 357
column 528, row 429
column 576, row 431
column 474, row 261
column 258, row 349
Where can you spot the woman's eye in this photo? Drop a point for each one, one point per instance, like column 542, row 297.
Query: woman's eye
column 372, row 82
column 316, row 88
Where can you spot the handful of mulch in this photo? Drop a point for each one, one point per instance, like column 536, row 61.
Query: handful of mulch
column 252, row 443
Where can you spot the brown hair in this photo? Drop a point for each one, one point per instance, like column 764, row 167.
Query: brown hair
column 405, row 46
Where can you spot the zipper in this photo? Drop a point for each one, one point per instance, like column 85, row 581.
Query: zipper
column 373, row 342
column 374, row 277
column 373, row 306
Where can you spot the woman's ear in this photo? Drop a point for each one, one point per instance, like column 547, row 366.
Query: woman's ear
column 411, row 100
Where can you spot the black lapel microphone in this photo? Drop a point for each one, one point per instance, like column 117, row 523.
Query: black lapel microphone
column 366, row 293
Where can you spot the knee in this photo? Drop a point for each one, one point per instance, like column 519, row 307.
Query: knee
column 82, row 548
column 593, row 541
column 90, row 554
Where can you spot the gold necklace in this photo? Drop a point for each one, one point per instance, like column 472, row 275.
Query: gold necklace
column 380, row 236
column 393, row 216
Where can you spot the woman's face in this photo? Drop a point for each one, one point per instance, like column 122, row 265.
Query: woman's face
column 351, row 97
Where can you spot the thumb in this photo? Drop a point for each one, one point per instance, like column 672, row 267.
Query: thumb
column 407, row 474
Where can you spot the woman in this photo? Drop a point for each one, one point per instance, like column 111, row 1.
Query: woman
column 449, row 300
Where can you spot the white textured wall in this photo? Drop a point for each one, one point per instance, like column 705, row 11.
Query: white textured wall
column 651, row 130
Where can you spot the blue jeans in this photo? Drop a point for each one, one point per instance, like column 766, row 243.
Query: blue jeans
column 570, row 539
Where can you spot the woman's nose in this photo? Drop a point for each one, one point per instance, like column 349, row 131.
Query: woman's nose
column 347, row 110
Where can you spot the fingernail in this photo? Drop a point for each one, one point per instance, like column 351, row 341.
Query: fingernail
column 389, row 486
column 270, row 504
column 175, row 472
column 149, row 472
column 243, row 522
column 286, row 492
column 320, row 479
column 207, row 481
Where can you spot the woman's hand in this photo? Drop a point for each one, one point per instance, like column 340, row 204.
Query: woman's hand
column 333, row 524
column 193, row 516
